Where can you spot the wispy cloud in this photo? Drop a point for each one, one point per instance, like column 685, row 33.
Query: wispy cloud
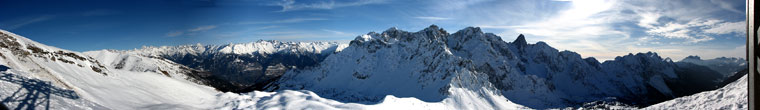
column 431, row 18
column 583, row 21
column 291, row 20
column 296, row 20
column 26, row 21
column 605, row 29
column 202, row 28
column 457, row 4
column 191, row 31
column 340, row 33
column 696, row 30
column 266, row 27
column 727, row 6
column 691, row 21
column 175, row 33
column 291, row 5
column 246, row 31
column 727, row 27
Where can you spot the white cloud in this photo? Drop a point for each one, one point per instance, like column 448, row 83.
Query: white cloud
column 648, row 20
column 727, row 27
column 685, row 20
column 291, row 5
column 600, row 28
column 670, row 30
column 585, row 21
column 290, row 20
column 26, row 21
column 295, row 20
column 727, row 6
column 174, row 33
column 191, row 31
column 697, row 30
column 457, row 4
column 341, row 33
column 202, row 28
column 700, row 22
column 431, row 18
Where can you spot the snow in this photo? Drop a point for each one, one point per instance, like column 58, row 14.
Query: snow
column 428, row 69
column 111, row 88
column 431, row 64
column 303, row 99
column 258, row 47
column 376, row 66
column 731, row 97
column 30, row 93
column 341, row 47
column 138, row 83
column 287, row 99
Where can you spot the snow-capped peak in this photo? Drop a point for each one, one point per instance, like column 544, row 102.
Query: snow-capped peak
column 257, row 47
column 402, row 63
column 431, row 68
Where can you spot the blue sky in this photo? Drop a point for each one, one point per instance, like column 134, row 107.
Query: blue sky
column 594, row 28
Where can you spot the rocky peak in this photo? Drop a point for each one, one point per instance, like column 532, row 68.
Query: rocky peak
column 26, row 48
column 434, row 31
column 692, row 57
column 471, row 30
column 431, row 28
column 520, row 41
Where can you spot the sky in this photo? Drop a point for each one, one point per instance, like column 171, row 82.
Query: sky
column 602, row 29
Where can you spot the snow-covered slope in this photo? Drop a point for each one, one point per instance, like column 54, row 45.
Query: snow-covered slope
column 431, row 64
column 304, row 99
column 247, row 66
column 22, row 92
column 137, row 81
column 401, row 64
column 731, row 97
column 76, row 79
column 395, row 69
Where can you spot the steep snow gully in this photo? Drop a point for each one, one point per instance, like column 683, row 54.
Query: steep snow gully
column 394, row 69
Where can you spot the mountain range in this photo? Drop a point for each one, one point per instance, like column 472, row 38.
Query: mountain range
column 427, row 69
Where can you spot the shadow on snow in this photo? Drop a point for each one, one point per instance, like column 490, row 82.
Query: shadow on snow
column 33, row 93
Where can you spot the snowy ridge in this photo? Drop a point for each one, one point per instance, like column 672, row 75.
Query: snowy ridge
column 395, row 69
column 19, row 50
column 133, row 62
column 731, row 97
column 400, row 64
column 77, row 81
column 258, row 47
column 431, row 64
column 244, row 67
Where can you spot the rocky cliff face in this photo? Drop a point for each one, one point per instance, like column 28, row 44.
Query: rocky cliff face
column 427, row 64
column 246, row 66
